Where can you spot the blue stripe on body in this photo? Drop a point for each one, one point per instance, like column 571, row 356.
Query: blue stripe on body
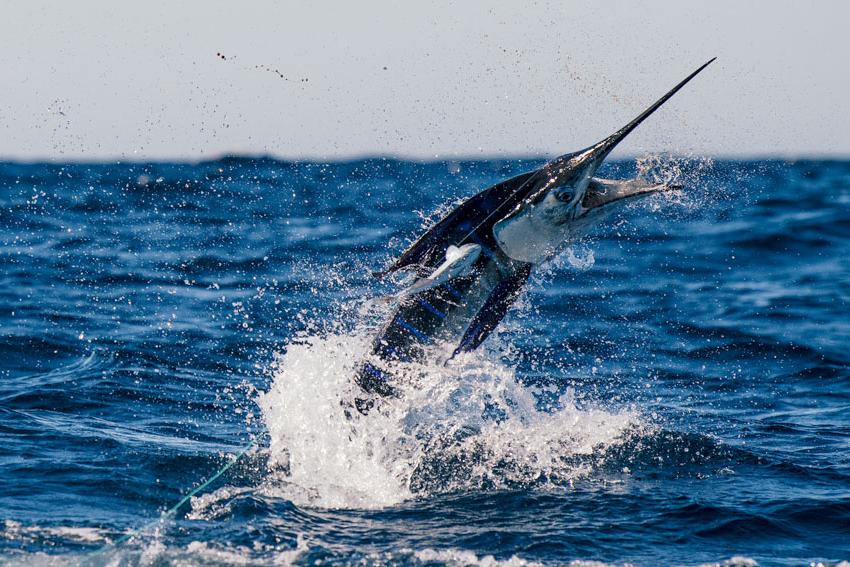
column 376, row 372
column 452, row 290
column 431, row 309
column 411, row 329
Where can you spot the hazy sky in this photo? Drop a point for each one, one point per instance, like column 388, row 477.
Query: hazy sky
column 140, row 80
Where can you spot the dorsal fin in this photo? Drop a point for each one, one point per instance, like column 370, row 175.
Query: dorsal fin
column 465, row 219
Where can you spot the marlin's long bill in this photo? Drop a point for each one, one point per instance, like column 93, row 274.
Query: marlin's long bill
column 603, row 148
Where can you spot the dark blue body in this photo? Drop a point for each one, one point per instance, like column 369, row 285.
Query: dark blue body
column 137, row 302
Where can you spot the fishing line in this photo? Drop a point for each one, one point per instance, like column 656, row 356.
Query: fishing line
column 171, row 512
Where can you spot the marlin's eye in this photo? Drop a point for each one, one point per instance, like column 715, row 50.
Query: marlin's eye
column 564, row 195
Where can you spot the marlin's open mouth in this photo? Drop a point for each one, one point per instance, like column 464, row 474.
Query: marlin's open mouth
column 601, row 193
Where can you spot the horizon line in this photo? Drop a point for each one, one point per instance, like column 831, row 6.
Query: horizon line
column 435, row 158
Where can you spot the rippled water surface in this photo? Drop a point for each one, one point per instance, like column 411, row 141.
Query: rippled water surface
column 674, row 390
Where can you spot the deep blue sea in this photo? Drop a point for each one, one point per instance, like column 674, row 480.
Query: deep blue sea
column 673, row 390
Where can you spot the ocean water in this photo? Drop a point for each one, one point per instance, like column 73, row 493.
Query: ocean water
column 673, row 390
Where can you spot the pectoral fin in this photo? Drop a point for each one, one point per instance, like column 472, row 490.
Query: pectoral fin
column 493, row 310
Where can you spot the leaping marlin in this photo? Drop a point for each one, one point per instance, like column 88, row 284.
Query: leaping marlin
column 474, row 262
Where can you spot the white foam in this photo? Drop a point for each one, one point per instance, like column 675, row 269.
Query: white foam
column 434, row 438
column 212, row 505
column 461, row 557
column 330, row 463
column 17, row 531
column 735, row 561
column 452, row 557
column 204, row 553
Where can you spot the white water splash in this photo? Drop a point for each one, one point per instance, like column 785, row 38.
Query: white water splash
column 689, row 172
column 738, row 561
column 460, row 557
column 465, row 426
column 579, row 257
column 15, row 531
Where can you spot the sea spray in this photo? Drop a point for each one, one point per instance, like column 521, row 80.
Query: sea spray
column 465, row 426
